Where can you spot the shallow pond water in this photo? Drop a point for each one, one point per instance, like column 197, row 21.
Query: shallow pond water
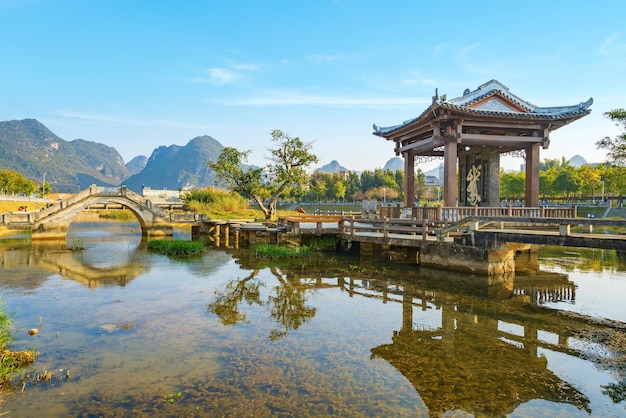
column 127, row 332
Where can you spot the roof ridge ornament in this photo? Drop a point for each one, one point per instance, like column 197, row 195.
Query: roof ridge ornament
column 436, row 97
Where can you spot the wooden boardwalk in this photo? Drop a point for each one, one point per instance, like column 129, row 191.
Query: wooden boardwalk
column 486, row 232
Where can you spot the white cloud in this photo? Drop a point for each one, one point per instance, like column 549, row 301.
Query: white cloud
column 123, row 120
column 613, row 47
column 220, row 76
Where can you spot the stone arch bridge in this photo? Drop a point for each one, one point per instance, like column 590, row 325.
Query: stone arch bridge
column 54, row 221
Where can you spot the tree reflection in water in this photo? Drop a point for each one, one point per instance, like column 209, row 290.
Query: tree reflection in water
column 287, row 304
column 226, row 303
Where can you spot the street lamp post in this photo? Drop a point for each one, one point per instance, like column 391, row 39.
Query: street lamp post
column 43, row 185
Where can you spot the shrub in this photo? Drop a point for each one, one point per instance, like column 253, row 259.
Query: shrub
column 214, row 200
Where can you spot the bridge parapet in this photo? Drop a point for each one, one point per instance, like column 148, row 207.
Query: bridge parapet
column 54, row 220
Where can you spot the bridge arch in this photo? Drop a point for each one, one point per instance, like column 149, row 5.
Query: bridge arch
column 54, row 221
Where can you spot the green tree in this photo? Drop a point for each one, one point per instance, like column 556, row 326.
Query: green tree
column 353, row 185
column 12, row 182
column 546, row 182
column 614, row 180
column 289, row 158
column 318, row 188
column 555, row 164
column 512, row 184
column 567, row 182
column 591, row 180
column 616, row 147
column 367, row 180
column 338, row 187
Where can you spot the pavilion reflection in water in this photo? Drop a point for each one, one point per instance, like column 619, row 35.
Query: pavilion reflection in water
column 484, row 356
column 471, row 364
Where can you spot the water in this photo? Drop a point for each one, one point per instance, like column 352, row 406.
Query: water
column 227, row 335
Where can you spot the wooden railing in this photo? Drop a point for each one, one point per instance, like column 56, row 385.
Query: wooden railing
column 455, row 214
column 411, row 227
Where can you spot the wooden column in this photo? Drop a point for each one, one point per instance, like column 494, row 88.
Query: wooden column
column 409, row 179
column 449, row 172
column 532, row 176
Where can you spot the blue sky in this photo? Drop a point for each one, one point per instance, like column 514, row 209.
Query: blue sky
column 136, row 75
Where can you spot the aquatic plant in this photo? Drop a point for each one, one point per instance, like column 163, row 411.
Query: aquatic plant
column 177, row 248
column 325, row 242
column 11, row 362
column 274, row 251
column 77, row 244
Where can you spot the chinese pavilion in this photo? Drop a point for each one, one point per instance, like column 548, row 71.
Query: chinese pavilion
column 470, row 133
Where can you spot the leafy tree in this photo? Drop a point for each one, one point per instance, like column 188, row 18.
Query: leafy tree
column 288, row 161
column 338, row 187
column 567, row 181
column 616, row 147
column 512, row 184
column 319, row 187
column 546, row 182
column 12, row 182
column 591, row 180
column 353, row 185
column 615, row 180
column 367, row 180
column 555, row 164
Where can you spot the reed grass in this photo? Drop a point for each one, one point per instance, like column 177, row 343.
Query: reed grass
column 275, row 251
column 11, row 362
column 177, row 248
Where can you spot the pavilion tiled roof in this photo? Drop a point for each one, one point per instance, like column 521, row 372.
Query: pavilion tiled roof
column 493, row 88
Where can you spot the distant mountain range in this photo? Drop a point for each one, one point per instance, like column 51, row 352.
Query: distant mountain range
column 331, row 168
column 30, row 148
column 177, row 167
column 394, row 164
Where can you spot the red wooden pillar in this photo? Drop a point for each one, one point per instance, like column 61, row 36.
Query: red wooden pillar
column 449, row 172
column 409, row 179
column 532, row 176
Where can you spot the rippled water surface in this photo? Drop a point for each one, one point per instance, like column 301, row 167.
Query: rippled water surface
column 131, row 333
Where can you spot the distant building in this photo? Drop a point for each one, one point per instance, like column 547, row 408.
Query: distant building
column 157, row 196
column 432, row 181
column 267, row 177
